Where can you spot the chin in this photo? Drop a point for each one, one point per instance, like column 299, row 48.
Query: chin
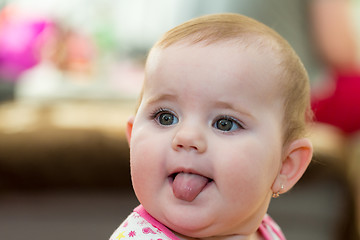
column 193, row 233
column 200, row 223
column 188, row 224
column 200, row 231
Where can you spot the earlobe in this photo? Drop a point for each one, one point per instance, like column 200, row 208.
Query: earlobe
column 296, row 159
column 129, row 127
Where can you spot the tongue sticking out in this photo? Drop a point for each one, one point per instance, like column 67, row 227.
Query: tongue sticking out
column 187, row 186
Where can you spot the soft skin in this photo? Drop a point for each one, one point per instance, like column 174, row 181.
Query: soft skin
column 198, row 85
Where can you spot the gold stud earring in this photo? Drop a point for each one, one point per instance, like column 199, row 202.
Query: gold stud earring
column 277, row 194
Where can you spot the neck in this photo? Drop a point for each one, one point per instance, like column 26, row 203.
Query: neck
column 254, row 236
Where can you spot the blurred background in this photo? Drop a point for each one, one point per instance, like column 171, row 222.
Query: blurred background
column 70, row 75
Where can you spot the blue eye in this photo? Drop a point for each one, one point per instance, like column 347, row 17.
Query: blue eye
column 165, row 118
column 227, row 124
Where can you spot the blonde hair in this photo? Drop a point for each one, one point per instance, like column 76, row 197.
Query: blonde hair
column 293, row 77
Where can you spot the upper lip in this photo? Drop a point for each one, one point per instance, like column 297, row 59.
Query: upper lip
column 187, row 170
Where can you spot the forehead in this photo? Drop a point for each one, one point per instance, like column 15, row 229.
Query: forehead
column 226, row 63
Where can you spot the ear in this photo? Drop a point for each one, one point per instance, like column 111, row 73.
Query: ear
column 129, row 127
column 297, row 157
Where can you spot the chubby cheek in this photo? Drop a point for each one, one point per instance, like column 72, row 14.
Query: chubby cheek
column 237, row 183
column 247, row 173
column 145, row 165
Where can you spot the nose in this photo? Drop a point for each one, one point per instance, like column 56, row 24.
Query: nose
column 189, row 139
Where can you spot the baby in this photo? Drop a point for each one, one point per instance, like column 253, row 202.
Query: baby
column 219, row 131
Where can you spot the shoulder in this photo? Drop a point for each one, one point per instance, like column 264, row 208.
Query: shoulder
column 270, row 230
column 140, row 225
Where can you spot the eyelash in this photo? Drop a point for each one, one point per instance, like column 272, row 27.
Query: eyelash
column 237, row 122
column 157, row 112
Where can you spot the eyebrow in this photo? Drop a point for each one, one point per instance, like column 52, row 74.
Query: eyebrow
column 162, row 97
column 226, row 105
column 217, row 104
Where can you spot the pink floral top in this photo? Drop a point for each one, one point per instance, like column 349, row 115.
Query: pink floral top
column 142, row 226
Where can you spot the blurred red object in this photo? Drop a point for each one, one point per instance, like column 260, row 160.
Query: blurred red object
column 341, row 108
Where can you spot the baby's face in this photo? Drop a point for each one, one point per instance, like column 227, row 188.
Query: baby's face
column 206, row 142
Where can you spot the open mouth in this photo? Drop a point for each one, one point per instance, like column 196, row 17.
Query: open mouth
column 187, row 186
column 174, row 175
